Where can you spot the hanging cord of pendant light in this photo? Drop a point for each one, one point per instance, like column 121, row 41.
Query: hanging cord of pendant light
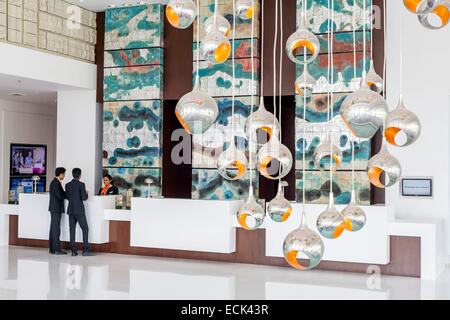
column 328, row 63
column 331, row 95
column 401, row 52
column 302, row 218
column 216, row 10
column 371, row 30
column 252, row 95
column 233, row 66
column 275, row 41
column 261, row 62
column 197, row 65
column 354, row 77
column 364, row 40
column 280, row 81
column 385, row 48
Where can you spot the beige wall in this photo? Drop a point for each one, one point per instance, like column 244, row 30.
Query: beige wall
column 50, row 25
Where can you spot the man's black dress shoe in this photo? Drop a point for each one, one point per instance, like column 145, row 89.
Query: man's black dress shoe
column 74, row 254
column 59, row 253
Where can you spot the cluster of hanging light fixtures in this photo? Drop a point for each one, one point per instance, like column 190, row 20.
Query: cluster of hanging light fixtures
column 364, row 112
column 432, row 14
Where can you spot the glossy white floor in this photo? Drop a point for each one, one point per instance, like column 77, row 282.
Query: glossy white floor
column 27, row 273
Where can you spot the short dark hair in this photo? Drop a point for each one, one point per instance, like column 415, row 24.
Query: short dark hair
column 76, row 173
column 108, row 176
column 59, row 171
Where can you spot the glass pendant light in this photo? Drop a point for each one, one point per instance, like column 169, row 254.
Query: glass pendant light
column 245, row 10
column 223, row 25
column 279, row 208
column 181, row 13
column 373, row 80
column 305, row 244
column 421, row 6
column 299, row 40
column 364, row 112
column 354, row 215
column 304, row 85
column 327, row 155
column 383, row 169
column 261, row 122
column 232, row 163
column 251, row 215
column 402, row 126
column 274, row 160
column 196, row 110
column 437, row 18
column 215, row 47
column 331, row 223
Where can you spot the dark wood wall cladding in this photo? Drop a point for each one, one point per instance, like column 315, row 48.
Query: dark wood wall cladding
column 176, row 178
column 178, row 59
column 289, row 26
column 250, row 248
column 99, row 54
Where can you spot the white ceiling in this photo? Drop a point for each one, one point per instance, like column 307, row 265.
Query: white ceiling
column 37, row 92
column 102, row 5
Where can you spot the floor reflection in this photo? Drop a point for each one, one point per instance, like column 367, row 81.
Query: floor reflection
column 27, row 273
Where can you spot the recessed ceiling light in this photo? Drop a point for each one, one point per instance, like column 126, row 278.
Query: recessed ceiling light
column 17, row 94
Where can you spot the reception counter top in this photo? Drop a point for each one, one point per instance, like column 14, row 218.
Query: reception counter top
column 210, row 227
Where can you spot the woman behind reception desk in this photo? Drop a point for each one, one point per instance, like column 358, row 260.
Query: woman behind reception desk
column 109, row 188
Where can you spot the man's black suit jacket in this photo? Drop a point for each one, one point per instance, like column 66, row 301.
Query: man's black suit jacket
column 57, row 196
column 76, row 194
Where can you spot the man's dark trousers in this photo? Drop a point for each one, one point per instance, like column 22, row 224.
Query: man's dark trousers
column 81, row 220
column 55, row 232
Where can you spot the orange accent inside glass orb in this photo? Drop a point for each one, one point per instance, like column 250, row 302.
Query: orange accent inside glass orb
column 243, row 221
column 443, row 13
column 249, row 13
column 339, row 229
column 336, row 160
column 348, row 126
column 374, row 175
column 240, row 168
column 286, row 215
column 172, row 16
column 222, row 52
column 390, row 134
column 268, row 130
column 348, row 224
column 183, row 123
column 298, row 89
column 263, row 165
column 304, row 43
column 227, row 33
column 291, row 258
column 412, row 5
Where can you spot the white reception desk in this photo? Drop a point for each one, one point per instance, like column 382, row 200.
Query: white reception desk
column 210, row 226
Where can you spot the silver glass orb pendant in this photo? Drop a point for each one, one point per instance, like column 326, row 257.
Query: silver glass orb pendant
column 327, row 156
column 196, row 111
column 383, row 169
column 274, row 160
column 261, row 126
column 222, row 24
column 181, row 13
column 402, row 126
column 251, row 215
column 244, row 9
column 331, row 223
column 303, row 248
column 232, row 163
column 304, row 85
column 364, row 112
column 354, row 215
column 279, row 208
column 373, row 80
column 215, row 47
column 302, row 47
column 437, row 18
column 421, row 6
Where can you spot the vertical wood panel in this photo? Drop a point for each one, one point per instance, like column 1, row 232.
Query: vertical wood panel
column 99, row 55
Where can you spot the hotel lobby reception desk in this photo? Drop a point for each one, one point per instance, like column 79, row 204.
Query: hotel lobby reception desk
column 207, row 230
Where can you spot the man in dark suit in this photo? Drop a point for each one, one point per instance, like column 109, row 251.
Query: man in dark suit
column 76, row 194
column 56, row 208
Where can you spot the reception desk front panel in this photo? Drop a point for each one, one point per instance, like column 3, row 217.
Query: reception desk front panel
column 179, row 224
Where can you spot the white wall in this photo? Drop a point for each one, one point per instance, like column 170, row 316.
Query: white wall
column 426, row 90
column 25, row 123
column 78, row 141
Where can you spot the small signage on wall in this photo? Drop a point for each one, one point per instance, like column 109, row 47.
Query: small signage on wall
column 416, row 187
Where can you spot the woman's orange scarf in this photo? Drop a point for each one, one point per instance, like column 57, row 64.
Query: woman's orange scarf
column 105, row 189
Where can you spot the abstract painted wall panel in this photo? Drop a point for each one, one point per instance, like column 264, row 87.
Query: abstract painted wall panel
column 132, row 111
column 217, row 81
column 343, row 82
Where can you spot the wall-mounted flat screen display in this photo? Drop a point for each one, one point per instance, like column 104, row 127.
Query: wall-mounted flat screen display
column 27, row 184
column 27, row 160
column 417, row 187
